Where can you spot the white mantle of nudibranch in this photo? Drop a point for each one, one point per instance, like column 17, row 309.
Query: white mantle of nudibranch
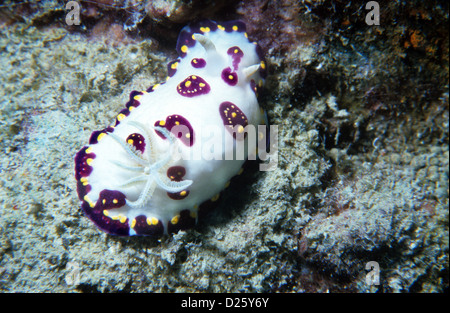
column 166, row 154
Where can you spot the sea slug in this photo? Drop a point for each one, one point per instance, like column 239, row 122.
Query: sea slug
column 168, row 151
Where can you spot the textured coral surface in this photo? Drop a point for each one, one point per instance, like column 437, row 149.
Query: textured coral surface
column 363, row 156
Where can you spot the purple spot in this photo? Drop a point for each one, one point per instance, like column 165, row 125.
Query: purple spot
column 94, row 136
column 260, row 53
column 82, row 168
column 229, row 77
column 160, row 123
column 153, row 88
column 185, row 41
column 198, row 62
column 137, row 141
column 236, row 54
column 193, row 86
column 108, row 199
column 184, row 222
column 172, row 67
column 232, row 116
column 231, row 26
column 176, row 173
column 179, row 126
column 82, row 189
column 178, row 195
column 253, row 86
column 141, row 227
column 123, row 112
column 196, row 27
column 208, row 23
column 133, row 102
column 105, row 223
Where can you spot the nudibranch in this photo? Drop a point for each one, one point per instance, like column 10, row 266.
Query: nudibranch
column 165, row 156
